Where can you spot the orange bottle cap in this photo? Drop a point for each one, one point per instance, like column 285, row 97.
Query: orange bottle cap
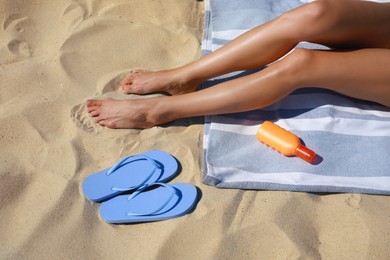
column 305, row 153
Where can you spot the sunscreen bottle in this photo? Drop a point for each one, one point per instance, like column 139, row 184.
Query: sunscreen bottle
column 283, row 141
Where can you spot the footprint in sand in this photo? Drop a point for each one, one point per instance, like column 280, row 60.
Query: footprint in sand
column 19, row 48
column 106, row 88
column 13, row 25
column 14, row 20
column 354, row 200
column 74, row 14
column 82, row 120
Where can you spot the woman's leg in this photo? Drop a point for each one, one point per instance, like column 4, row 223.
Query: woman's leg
column 361, row 74
column 337, row 23
column 335, row 26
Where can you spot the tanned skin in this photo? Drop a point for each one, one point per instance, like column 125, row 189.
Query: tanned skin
column 358, row 65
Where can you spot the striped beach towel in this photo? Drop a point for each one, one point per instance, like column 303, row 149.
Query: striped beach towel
column 352, row 137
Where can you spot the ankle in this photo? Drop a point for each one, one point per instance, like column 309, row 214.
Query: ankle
column 160, row 111
column 186, row 76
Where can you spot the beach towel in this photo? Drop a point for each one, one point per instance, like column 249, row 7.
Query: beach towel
column 351, row 136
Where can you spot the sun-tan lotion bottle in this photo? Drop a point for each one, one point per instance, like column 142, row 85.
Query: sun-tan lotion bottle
column 283, row 141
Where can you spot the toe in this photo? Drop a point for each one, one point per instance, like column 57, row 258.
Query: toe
column 91, row 108
column 102, row 122
column 98, row 119
column 93, row 103
column 108, row 123
column 128, row 80
column 133, row 89
column 125, row 88
column 94, row 113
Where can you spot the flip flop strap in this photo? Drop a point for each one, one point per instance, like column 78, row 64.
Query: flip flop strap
column 131, row 159
column 141, row 189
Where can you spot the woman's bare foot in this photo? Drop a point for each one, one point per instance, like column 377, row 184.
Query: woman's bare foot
column 169, row 81
column 135, row 113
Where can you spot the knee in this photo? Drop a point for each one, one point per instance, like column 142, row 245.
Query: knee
column 318, row 10
column 298, row 64
column 312, row 19
column 299, row 58
column 324, row 14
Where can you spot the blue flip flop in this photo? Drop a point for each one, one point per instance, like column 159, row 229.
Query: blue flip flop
column 129, row 174
column 145, row 205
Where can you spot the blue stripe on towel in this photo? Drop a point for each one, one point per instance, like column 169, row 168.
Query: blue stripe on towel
column 351, row 136
column 337, row 154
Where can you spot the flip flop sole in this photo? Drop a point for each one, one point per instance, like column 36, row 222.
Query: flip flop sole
column 122, row 210
column 101, row 186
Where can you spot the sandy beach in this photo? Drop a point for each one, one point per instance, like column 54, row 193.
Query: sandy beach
column 54, row 55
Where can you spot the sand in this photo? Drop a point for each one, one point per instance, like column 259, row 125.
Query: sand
column 56, row 54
